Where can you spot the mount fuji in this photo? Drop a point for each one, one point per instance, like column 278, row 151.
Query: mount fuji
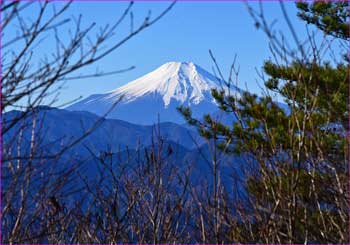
column 156, row 95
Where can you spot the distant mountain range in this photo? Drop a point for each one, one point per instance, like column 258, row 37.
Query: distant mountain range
column 156, row 95
column 131, row 125
column 126, row 142
column 148, row 109
column 146, row 113
column 60, row 127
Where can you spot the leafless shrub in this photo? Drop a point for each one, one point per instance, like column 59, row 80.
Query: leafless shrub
column 34, row 181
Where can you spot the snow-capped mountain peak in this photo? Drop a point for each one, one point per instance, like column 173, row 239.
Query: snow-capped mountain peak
column 181, row 81
column 157, row 95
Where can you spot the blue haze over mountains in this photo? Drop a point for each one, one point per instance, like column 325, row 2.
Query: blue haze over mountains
column 132, row 126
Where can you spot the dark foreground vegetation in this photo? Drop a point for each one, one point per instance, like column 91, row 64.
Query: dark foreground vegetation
column 296, row 166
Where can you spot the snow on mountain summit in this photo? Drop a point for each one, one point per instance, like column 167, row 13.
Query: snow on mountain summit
column 159, row 92
column 181, row 81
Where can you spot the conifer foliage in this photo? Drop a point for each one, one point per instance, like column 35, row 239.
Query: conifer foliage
column 300, row 191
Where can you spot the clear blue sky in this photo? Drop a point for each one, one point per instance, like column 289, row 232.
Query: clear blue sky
column 186, row 33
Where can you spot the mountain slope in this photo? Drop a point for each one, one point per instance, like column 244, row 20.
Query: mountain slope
column 157, row 94
column 57, row 128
